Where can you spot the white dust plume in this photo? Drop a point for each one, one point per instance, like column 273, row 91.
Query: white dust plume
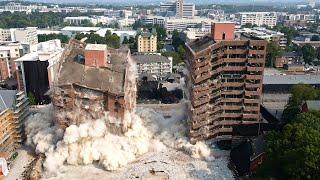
column 92, row 142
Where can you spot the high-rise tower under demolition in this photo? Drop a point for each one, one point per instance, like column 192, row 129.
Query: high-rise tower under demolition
column 225, row 82
column 95, row 81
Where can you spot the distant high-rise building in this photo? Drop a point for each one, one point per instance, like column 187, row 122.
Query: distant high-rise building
column 312, row 3
column 179, row 8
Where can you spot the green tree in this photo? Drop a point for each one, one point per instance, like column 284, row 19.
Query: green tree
column 161, row 33
column 299, row 93
column 293, row 153
column 308, row 53
column 175, row 56
column 47, row 37
column 181, row 51
column 125, row 40
column 132, row 40
column 273, row 51
column 80, row 36
column 249, row 25
column 176, row 40
column 112, row 40
column 32, row 99
column 289, row 31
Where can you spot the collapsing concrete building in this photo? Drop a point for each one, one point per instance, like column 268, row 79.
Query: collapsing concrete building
column 225, row 82
column 95, row 81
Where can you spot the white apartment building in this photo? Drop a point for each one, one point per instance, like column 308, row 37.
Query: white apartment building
column 155, row 65
column 10, row 51
column 23, row 35
column 300, row 17
column 181, row 24
column 258, row 18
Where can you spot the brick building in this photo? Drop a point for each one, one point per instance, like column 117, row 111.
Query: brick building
column 225, row 82
column 94, row 81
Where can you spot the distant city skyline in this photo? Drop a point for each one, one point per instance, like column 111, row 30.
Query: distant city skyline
column 154, row 2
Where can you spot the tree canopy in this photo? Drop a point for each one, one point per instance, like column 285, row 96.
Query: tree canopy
column 273, row 51
column 299, row 93
column 289, row 31
column 308, row 53
column 47, row 37
column 294, row 152
column 112, row 40
column 37, row 19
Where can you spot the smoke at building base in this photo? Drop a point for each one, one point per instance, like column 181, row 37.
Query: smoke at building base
column 92, row 142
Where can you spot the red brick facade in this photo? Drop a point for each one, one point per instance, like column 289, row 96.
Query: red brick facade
column 222, row 31
column 95, row 58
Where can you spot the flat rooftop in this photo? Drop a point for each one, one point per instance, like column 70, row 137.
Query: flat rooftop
column 291, row 79
column 80, row 28
column 106, row 79
column 96, row 47
column 150, row 59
